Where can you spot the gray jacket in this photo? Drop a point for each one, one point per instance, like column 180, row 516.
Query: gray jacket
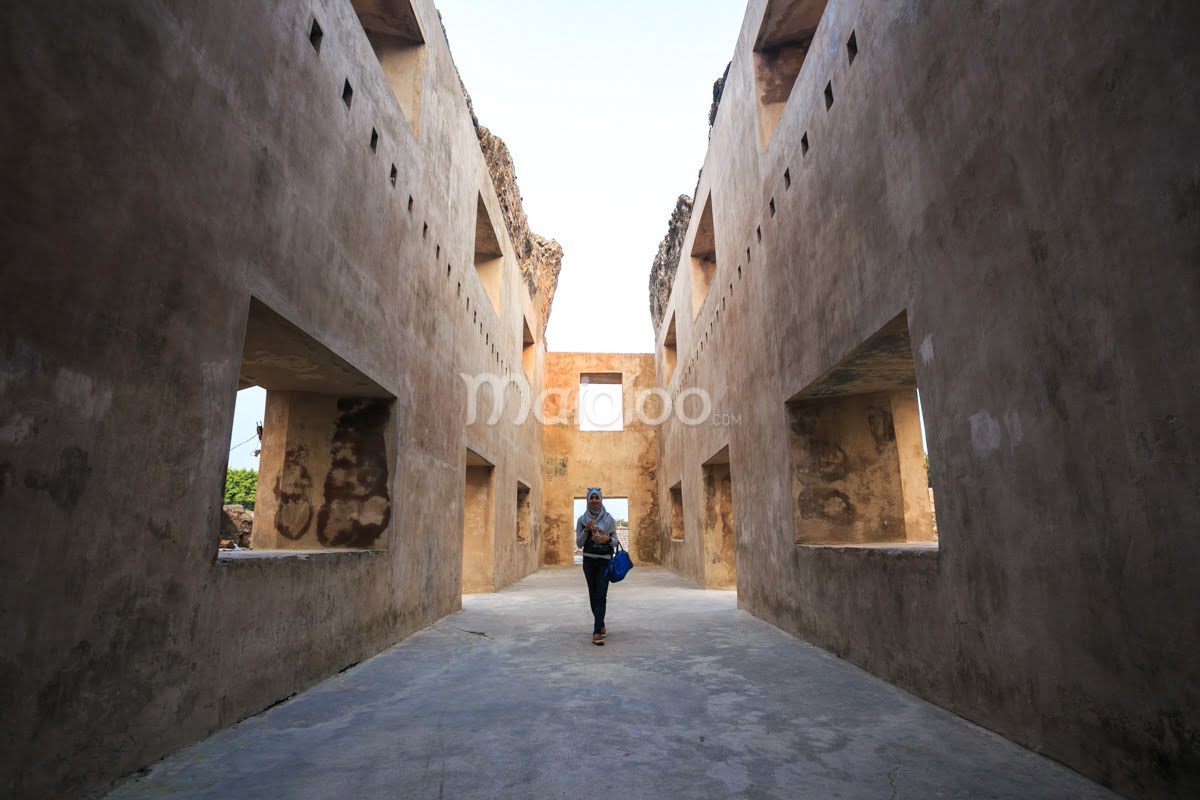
column 605, row 524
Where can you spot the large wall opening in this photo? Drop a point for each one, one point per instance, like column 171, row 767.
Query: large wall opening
column 857, row 464
column 720, row 545
column 786, row 33
column 670, row 356
column 489, row 256
column 704, row 257
column 478, row 569
column 601, row 402
column 326, row 462
column 395, row 36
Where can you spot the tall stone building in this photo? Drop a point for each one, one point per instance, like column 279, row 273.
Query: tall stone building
column 996, row 204
column 993, row 203
column 203, row 197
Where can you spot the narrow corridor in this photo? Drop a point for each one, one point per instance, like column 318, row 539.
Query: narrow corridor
column 691, row 698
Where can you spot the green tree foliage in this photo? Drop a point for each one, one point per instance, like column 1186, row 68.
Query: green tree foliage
column 622, row 523
column 239, row 487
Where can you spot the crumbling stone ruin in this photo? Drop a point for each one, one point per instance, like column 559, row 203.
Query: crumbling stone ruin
column 993, row 205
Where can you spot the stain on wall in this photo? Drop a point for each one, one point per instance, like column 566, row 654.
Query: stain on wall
column 293, row 495
column 357, row 500
column 845, row 470
column 66, row 482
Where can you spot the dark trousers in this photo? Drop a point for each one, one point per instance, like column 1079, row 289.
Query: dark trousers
column 596, row 572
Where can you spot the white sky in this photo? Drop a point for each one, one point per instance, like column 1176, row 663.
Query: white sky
column 604, row 107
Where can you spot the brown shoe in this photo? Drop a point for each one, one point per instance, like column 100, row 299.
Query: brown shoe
column 597, row 639
column 603, row 632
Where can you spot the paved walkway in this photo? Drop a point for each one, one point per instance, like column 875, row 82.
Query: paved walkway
column 690, row 698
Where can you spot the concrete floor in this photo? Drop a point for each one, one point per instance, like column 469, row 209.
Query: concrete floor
column 690, row 698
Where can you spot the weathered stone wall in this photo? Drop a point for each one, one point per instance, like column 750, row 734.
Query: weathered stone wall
column 165, row 163
column 622, row 462
column 1022, row 179
column 845, row 470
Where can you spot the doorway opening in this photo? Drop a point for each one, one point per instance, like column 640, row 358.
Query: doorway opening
column 617, row 506
column 478, row 569
column 720, row 533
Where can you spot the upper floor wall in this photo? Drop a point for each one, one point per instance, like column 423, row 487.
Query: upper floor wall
column 1010, row 181
column 200, row 197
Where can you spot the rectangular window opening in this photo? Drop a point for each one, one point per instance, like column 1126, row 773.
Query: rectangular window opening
column 703, row 256
column 780, row 50
column 324, row 447
column 675, row 498
column 395, row 35
column 858, row 468
column 524, row 524
column 601, row 403
column 489, row 256
column 670, row 353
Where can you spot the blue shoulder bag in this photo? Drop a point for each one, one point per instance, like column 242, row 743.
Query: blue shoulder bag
column 620, row 564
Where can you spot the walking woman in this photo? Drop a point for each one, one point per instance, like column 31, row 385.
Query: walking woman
column 595, row 531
